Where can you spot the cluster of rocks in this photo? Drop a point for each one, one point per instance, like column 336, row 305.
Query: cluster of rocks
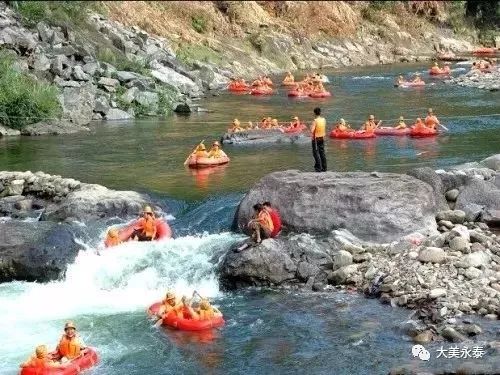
column 39, row 211
column 486, row 81
column 91, row 89
column 260, row 136
column 443, row 261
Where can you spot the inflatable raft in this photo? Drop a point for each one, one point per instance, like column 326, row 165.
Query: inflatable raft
column 425, row 132
column 438, row 71
column 297, row 94
column 324, row 94
column 163, row 231
column 195, row 162
column 184, row 324
column 261, row 91
column 237, row 88
column 298, row 129
column 484, row 51
column 358, row 134
column 392, row 131
column 74, row 367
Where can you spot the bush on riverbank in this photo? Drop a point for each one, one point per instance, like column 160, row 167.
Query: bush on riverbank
column 23, row 99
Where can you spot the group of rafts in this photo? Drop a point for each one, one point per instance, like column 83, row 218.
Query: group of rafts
column 370, row 129
column 72, row 355
column 483, row 66
column 310, row 86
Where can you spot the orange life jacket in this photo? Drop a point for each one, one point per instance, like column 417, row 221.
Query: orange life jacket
column 148, row 226
column 201, row 154
column 206, row 314
column 113, row 241
column 319, row 127
column 69, row 348
column 419, row 125
column 431, row 121
column 370, row 126
column 265, row 220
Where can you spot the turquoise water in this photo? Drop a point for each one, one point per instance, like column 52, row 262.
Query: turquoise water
column 267, row 332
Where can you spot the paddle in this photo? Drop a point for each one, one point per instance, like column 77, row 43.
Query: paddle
column 444, row 127
column 187, row 160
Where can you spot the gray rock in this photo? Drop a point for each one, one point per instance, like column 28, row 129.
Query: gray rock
column 108, row 82
column 53, row 128
column 473, row 212
column 67, row 50
column 91, row 68
column 473, row 273
column 171, row 77
column 117, row 114
column 312, row 202
column 101, row 104
column 183, row 108
column 129, row 96
column 450, row 334
column 15, row 187
column 149, row 100
column 107, row 70
column 430, row 177
column 45, row 33
column 41, row 63
column 306, row 270
column 470, row 368
column 79, row 74
column 266, row 264
column 493, row 162
column 78, row 103
column 459, row 244
column 124, row 76
column 455, row 216
column 423, row 337
column 436, row 293
column 477, row 259
column 341, row 258
column 432, row 254
column 481, row 193
column 18, row 38
column 8, row 132
column 341, row 276
column 38, row 251
column 58, row 64
column 451, row 195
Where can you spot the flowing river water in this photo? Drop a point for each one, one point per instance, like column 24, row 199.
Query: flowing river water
column 267, row 331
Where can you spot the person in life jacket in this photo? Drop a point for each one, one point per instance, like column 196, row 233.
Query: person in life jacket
column 235, row 126
column 113, row 238
column 295, row 123
column 215, row 151
column 419, row 124
column 417, row 78
column 275, row 218
column 40, row 359
column 204, row 311
column 261, row 225
column 400, row 80
column 369, row 126
column 343, row 126
column 289, row 78
column 401, row 123
column 71, row 344
column 145, row 228
column 170, row 306
column 431, row 120
column 274, row 123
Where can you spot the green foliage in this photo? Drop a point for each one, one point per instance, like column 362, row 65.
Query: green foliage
column 120, row 61
column 199, row 24
column 23, row 99
column 166, row 97
column 189, row 53
column 55, row 13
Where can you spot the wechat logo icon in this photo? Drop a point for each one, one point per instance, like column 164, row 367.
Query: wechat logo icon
column 420, row 352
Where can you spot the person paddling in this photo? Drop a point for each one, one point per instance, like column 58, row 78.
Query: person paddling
column 145, row 228
column 369, row 126
column 431, row 120
column 401, row 123
column 318, row 132
column 71, row 344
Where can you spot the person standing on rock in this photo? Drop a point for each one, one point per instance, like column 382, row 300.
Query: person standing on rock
column 318, row 133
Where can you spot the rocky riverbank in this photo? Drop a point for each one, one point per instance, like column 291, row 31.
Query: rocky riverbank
column 485, row 81
column 41, row 214
column 443, row 261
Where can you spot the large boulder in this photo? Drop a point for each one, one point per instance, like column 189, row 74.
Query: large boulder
column 78, row 103
column 479, row 193
column 91, row 202
column 171, row 77
column 117, row 114
column 493, row 162
column 261, row 136
column 375, row 207
column 39, row 251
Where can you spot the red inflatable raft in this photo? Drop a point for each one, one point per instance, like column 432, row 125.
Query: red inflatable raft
column 74, row 367
column 297, row 94
column 261, row 91
column 183, row 324
column 438, row 71
column 236, row 88
column 484, row 51
column 324, row 94
column 163, row 231
column 423, row 132
column 298, row 129
column 195, row 162
column 392, row 131
column 358, row 134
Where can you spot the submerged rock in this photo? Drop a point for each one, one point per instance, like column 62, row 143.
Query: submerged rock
column 261, row 136
column 396, row 205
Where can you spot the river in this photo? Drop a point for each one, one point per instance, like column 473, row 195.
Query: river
column 267, row 331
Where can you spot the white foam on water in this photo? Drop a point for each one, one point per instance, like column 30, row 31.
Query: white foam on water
column 371, row 77
column 128, row 277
